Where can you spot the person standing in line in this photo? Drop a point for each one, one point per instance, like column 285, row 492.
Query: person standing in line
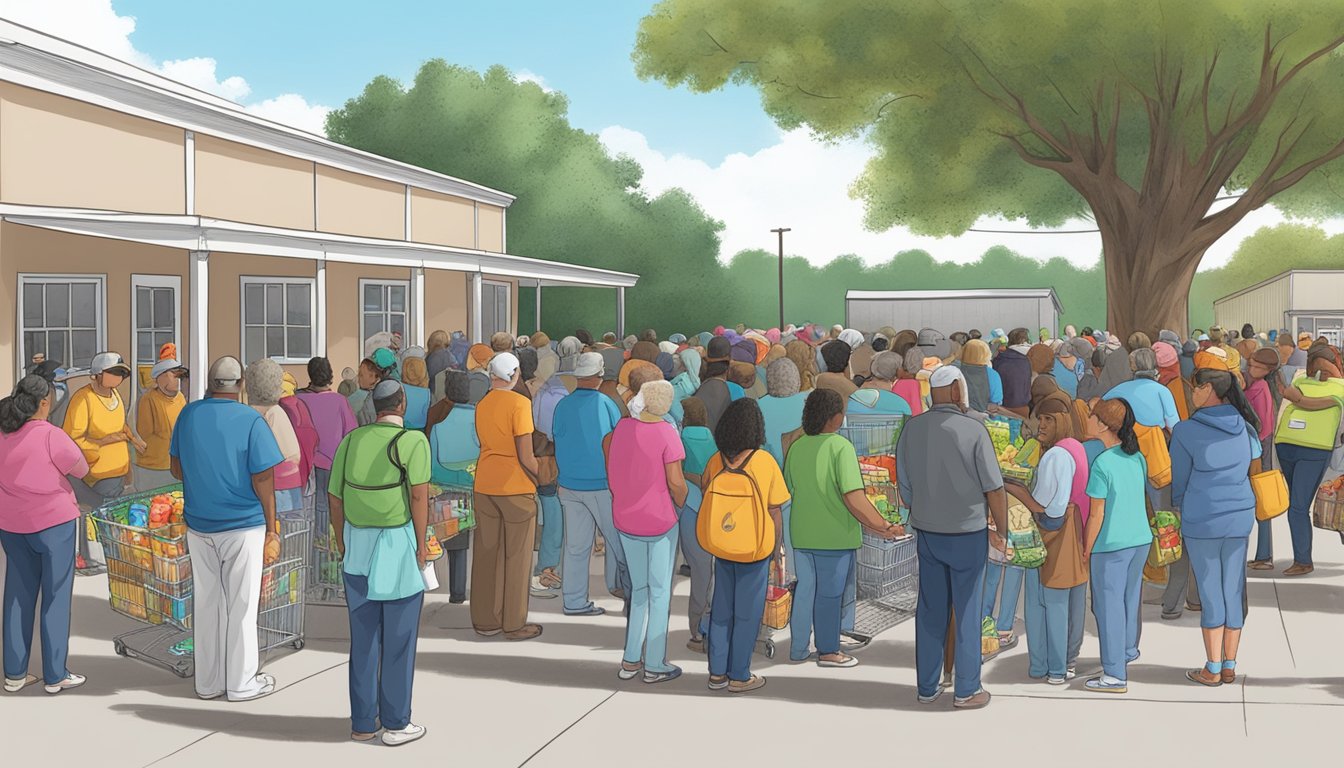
column 264, row 385
column 379, row 500
column 155, row 416
column 334, row 420
column 95, row 419
column 580, row 423
column 454, row 448
column 698, row 444
column 949, row 475
column 38, row 526
column 225, row 455
column 1117, row 540
column 644, row 455
column 506, row 507
column 1015, row 371
column 1263, row 394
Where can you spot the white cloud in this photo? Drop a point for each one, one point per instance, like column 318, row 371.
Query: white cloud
column 528, row 76
column 95, row 24
column 804, row 184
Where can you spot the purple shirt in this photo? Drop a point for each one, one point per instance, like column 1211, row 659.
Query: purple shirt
column 641, row 504
column 34, row 491
column 334, row 420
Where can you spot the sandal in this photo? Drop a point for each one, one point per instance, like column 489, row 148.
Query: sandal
column 1298, row 569
column 549, row 579
column 1261, row 565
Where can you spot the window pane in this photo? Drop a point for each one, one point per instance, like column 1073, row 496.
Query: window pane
column 84, row 305
column 253, row 301
column 398, row 323
column 33, row 342
column 373, row 297
column 397, row 298
column 144, row 311
column 163, row 308
column 296, row 305
column 161, row 338
column 275, row 304
column 58, row 305
column 32, row 305
column 254, row 347
column 300, row 343
column 144, row 347
column 373, row 324
column 58, row 346
column 83, row 346
column 275, row 341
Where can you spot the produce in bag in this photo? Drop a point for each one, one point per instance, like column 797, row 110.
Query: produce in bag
column 989, row 637
column 1166, row 549
column 1026, row 547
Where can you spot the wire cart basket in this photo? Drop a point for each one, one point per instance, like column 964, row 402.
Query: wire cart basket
column 886, row 571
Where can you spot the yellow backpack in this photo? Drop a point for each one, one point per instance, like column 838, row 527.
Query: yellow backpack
column 734, row 523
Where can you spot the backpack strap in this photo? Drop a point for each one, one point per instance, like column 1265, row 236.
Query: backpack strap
column 393, row 456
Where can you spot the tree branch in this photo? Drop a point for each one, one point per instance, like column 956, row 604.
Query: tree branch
column 1020, row 107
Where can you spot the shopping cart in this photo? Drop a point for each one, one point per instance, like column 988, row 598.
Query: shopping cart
column 280, row 613
column 327, row 586
column 451, row 511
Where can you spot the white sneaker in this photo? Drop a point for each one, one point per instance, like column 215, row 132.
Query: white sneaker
column 411, row 732
column 14, row 686
column 540, row 590
column 71, row 681
column 267, row 687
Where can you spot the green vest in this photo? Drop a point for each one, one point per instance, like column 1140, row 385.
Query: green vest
column 372, row 475
column 1312, row 429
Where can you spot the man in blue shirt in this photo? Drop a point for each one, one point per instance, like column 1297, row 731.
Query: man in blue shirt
column 581, row 421
column 225, row 454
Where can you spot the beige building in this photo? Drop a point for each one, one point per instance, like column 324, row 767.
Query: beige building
column 1299, row 300
column 135, row 210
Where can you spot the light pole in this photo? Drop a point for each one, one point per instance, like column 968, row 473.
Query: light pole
column 781, row 232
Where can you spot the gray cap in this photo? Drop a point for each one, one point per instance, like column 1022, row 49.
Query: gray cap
column 226, row 375
column 164, row 366
column 386, row 388
column 109, row 362
column 589, row 364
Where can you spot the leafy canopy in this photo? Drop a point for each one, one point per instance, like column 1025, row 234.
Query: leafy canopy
column 973, row 107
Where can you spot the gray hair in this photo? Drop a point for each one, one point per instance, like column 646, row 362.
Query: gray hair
column 914, row 360
column 782, row 378
column 265, row 382
column 885, row 365
column 1144, row 362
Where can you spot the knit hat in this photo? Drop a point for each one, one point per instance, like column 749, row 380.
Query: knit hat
column 478, row 356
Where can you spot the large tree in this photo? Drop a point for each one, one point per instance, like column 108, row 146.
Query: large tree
column 1165, row 122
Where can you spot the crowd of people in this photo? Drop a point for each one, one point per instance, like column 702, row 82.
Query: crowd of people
column 720, row 450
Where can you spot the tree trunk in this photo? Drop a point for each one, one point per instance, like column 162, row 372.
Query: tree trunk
column 1147, row 289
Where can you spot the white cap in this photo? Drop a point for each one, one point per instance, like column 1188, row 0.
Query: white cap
column 589, row 364
column 226, row 375
column 164, row 366
column 944, row 376
column 503, row 366
column 852, row 337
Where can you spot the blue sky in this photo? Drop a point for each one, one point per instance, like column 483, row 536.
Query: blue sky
column 328, row 51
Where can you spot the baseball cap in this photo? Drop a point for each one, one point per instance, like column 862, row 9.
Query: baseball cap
column 503, row 366
column 226, row 375
column 945, row 376
column 166, row 365
column 109, row 362
column 588, row 365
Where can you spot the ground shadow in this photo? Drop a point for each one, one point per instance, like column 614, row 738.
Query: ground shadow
column 222, row 717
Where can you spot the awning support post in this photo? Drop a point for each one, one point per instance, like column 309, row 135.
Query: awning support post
column 198, row 302
column 620, row 313
column 538, row 306
column 475, row 300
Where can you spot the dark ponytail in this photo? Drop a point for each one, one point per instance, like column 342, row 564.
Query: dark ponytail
column 1227, row 389
column 19, row 407
column 1129, row 442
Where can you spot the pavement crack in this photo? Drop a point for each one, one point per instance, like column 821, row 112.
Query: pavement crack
column 181, row 749
column 1284, row 624
column 1245, row 721
column 553, row 739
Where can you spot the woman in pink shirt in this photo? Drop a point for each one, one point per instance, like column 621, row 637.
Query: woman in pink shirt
column 1260, row 369
column 38, row 523
column 644, row 457
column 334, row 420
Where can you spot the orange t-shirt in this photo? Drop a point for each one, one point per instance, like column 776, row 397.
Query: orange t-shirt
column 501, row 417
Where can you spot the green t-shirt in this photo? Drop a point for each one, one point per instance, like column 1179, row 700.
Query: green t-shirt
column 820, row 470
column 362, row 459
column 1120, row 479
column 1312, row 429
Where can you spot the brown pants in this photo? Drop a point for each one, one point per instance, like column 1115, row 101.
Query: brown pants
column 501, row 568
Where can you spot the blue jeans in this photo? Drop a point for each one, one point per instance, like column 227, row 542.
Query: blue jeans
column 951, row 581
column 38, row 563
column 1055, row 620
column 585, row 513
column 735, row 616
column 552, row 532
column 383, row 635
column 1220, row 573
column 1117, row 581
column 650, row 559
column 1303, row 469
column 701, row 564
column 821, row 599
column 1012, row 587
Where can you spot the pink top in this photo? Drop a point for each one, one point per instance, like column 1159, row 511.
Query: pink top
column 34, row 491
column 909, row 391
column 641, row 504
column 1081, row 471
column 334, row 420
column 1262, row 402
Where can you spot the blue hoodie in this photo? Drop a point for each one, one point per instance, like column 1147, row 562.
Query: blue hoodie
column 1211, row 453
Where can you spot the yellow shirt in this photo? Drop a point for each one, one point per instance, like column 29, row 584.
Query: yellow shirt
column 156, row 414
column 501, row 417
column 89, row 418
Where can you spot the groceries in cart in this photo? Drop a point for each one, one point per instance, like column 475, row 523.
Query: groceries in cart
column 879, row 485
column 1327, row 512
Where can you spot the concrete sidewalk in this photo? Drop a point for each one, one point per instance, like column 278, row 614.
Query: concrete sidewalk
column 557, row 702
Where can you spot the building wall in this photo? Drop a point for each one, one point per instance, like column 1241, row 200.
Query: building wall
column 37, row 251
column 226, row 298
column 490, row 219
column 60, row 152
column 445, row 300
column 1263, row 307
column 948, row 315
column 242, row 183
column 1318, row 291
column 351, row 204
column 345, row 346
column 442, row 219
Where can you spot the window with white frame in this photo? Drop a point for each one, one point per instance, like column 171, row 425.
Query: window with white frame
column 278, row 317
column 495, row 314
column 61, row 317
column 384, row 306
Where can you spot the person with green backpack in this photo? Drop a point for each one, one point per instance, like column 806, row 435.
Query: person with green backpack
column 1307, row 433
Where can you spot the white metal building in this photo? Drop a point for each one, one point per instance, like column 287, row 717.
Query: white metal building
column 950, row 311
column 1310, row 300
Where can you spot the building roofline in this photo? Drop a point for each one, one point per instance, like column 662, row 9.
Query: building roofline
column 970, row 293
column 43, row 62
column 1275, row 279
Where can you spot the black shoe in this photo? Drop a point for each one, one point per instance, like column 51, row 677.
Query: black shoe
column 456, row 600
column 684, row 570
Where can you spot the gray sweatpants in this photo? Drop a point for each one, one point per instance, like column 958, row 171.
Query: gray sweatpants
column 585, row 513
